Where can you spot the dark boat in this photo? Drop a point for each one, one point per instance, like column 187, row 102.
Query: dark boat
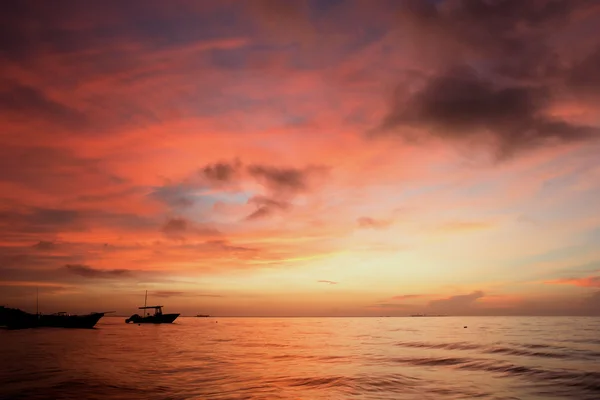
column 157, row 318
column 428, row 315
column 13, row 318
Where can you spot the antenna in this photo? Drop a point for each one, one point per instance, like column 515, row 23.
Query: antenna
column 145, row 300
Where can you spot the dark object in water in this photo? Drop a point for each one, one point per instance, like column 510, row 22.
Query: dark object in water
column 464, row 326
column 428, row 315
column 202, row 315
column 14, row 318
column 157, row 318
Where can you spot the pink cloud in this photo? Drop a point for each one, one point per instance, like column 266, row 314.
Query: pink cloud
column 590, row 281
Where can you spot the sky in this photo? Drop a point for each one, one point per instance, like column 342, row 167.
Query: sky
column 301, row 158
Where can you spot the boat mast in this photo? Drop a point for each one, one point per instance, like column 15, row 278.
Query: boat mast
column 37, row 301
column 145, row 300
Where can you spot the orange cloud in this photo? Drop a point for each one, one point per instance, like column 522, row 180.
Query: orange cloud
column 590, row 281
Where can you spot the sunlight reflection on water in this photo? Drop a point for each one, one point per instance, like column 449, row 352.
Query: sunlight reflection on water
column 307, row 358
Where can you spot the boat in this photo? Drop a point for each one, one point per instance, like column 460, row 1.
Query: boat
column 157, row 318
column 428, row 315
column 202, row 315
column 13, row 318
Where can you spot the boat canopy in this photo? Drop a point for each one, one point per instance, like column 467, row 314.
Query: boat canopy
column 145, row 307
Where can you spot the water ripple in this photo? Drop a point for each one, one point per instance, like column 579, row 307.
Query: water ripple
column 337, row 358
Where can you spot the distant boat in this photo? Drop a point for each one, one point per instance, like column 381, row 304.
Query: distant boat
column 13, row 318
column 428, row 315
column 202, row 315
column 157, row 318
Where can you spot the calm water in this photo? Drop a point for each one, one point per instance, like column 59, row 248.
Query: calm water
column 307, row 358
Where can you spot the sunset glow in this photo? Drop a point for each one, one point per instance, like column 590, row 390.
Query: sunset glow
column 301, row 158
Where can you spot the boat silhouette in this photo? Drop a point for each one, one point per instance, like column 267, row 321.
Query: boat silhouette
column 157, row 318
column 13, row 318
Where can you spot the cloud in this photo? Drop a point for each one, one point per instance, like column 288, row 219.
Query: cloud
column 584, row 77
column 281, row 179
column 174, row 227
column 460, row 105
column 513, row 37
column 225, row 246
column 178, row 228
column 20, row 102
column 328, row 282
column 88, row 272
column 458, row 303
column 495, row 74
column 372, row 223
column 222, row 171
column 175, row 195
column 44, row 245
column 265, row 207
column 409, row 296
column 590, row 281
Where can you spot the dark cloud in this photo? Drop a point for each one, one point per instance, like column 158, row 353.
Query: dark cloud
column 266, row 207
column 456, row 304
column 53, row 170
column 175, row 226
column 283, row 179
column 512, row 36
column 460, row 105
column 175, row 195
column 30, row 221
column 21, row 102
column 327, row 282
column 68, row 26
column 409, row 296
column 93, row 273
column 178, row 228
column 54, row 216
column 584, row 78
column 41, row 220
column 372, row 223
column 224, row 245
column 496, row 70
column 44, row 245
column 222, row 171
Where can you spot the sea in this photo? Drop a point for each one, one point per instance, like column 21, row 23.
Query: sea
column 307, row 358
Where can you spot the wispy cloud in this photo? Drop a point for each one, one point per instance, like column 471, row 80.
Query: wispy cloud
column 88, row 272
column 589, row 281
column 409, row 296
column 372, row 223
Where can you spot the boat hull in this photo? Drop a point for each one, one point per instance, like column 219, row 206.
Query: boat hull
column 152, row 319
column 17, row 319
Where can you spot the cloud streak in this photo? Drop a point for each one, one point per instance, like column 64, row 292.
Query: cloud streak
column 92, row 273
column 590, row 281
